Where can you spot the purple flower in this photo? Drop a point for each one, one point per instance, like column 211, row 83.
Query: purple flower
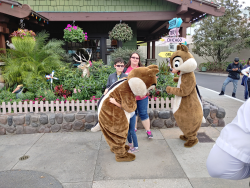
column 75, row 27
column 69, row 25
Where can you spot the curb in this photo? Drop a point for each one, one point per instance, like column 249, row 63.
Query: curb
column 215, row 74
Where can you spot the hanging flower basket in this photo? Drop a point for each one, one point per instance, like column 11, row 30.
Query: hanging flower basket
column 121, row 32
column 23, row 40
column 74, row 34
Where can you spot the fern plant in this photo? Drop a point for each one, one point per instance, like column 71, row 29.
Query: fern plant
column 29, row 68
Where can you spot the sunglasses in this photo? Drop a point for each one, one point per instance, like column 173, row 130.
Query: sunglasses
column 119, row 65
column 137, row 58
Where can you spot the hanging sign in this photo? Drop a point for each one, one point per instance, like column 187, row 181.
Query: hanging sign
column 174, row 32
column 172, row 47
column 176, row 22
column 174, row 39
column 165, row 54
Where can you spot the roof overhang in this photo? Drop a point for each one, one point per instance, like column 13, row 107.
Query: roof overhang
column 17, row 10
column 203, row 6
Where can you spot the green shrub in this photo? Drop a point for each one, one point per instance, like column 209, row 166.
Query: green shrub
column 28, row 95
column 125, row 53
column 7, row 96
column 45, row 95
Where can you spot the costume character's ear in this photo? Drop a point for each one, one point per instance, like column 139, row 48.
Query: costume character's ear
column 153, row 72
column 152, row 67
column 178, row 47
column 184, row 48
column 137, row 86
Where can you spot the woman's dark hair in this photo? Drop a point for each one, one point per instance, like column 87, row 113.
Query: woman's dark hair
column 119, row 60
column 248, row 62
column 129, row 61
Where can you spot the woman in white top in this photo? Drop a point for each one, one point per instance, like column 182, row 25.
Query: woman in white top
column 246, row 81
column 230, row 156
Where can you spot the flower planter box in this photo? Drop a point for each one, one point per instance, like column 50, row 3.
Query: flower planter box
column 203, row 69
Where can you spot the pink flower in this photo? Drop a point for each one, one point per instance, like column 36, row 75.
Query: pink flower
column 75, row 27
column 10, row 99
column 90, row 63
column 155, row 98
column 57, row 99
column 85, row 33
column 69, row 25
column 41, row 96
column 79, row 90
column 75, row 90
column 69, row 29
column 93, row 96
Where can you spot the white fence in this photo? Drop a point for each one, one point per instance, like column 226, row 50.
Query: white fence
column 24, row 107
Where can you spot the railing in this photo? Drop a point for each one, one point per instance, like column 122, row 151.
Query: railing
column 24, row 107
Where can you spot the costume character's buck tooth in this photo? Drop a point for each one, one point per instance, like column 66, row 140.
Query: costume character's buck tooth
column 187, row 108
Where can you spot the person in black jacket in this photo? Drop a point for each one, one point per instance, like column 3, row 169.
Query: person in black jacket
column 234, row 70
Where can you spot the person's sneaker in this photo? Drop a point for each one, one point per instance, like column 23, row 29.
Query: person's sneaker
column 133, row 150
column 221, row 93
column 233, row 95
column 135, row 129
column 130, row 145
column 150, row 135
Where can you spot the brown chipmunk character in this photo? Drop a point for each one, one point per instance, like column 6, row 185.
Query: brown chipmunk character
column 114, row 121
column 187, row 108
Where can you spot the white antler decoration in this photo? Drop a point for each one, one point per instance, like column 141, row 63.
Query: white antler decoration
column 83, row 65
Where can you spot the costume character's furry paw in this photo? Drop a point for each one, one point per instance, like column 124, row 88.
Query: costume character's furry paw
column 168, row 89
column 96, row 128
column 126, row 158
column 176, row 79
column 126, row 148
column 182, row 137
column 191, row 143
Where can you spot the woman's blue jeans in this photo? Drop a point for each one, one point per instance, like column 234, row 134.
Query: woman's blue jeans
column 131, row 132
column 142, row 109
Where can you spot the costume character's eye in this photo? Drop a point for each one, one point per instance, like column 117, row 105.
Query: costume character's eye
column 177, row 61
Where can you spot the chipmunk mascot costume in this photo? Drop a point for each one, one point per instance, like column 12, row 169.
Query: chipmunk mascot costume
column 187, row 107
column 114, row 121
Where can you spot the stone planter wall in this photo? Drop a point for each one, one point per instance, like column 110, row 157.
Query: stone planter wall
column 82, row 121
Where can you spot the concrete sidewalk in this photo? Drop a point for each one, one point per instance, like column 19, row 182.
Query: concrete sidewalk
column 83, row 159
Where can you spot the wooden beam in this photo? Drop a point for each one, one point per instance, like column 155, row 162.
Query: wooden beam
column 182, row 9
column 109, row 16
column 158, row 27
column 3, row 18
column 205, row 8
column 153, row 49
column 16, row 11
column 148, row 50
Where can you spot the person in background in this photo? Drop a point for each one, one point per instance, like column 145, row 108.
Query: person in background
column 142, row 103
column 234, row 70
column 230, row 156
column 246, row 79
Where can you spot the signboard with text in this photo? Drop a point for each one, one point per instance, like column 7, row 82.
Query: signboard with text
column 172, row 47
column 165, row 54
column 174, row 32
column 174, row 39
column 174, row 23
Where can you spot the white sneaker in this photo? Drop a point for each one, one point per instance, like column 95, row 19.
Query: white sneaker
column 96, row 128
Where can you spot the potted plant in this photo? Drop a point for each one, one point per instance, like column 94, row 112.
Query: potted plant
column 23, row 40
column 121, row 32
column 74, row 34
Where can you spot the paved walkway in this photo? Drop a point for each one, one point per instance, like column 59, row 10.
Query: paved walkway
column 83, row 159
